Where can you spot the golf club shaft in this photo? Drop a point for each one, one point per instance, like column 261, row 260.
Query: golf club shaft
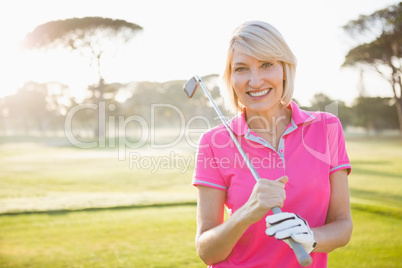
column 302, row 256
column 243, row 154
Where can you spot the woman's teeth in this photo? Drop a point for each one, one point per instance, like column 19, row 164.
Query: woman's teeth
column 260, row 93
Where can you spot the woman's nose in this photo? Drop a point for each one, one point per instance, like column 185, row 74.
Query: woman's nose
column 255, row 80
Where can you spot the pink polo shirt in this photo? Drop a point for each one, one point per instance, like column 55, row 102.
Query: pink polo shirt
column 311, row 148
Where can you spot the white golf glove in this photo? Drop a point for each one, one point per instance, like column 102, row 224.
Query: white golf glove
column 290, row 225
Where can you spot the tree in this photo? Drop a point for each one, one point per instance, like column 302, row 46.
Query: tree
column 35, row 107
column 27, row 109
column 383, row 50
column 91, row 36
column 375, row 113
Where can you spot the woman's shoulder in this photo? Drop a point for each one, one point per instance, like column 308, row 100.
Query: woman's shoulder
column 236, row 124
column 219, row 131
column 325, row 121
column 220, row 135
column 329, row 115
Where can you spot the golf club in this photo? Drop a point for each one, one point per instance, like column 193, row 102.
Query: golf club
column 190, row 87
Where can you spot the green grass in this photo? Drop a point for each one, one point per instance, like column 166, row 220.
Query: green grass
column 376, row 242
column 148, row 237
column 35, row 177
column 38, row 177
column 376, row 177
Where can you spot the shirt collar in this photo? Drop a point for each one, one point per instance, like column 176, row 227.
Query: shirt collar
column 239, row 126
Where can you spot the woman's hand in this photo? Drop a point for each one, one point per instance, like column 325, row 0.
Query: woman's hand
column 287, row 225
column 266, row 194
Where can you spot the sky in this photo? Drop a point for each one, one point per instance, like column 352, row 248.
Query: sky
column 184, row 38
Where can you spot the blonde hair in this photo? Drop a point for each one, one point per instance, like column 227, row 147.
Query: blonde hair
column 262, row 41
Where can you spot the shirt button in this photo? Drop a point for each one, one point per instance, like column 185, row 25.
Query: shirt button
column 281, row 151
column 280, row 165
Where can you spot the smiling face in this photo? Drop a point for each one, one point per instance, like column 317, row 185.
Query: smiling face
column 257, row 84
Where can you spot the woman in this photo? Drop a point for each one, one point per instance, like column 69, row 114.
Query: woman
column 299, row 155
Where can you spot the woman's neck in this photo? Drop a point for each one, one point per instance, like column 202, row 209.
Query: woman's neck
column 270, row 121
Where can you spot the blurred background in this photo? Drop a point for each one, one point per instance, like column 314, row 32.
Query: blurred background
column 98, row 140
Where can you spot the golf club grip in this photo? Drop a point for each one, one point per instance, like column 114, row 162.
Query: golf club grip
column 302, row 256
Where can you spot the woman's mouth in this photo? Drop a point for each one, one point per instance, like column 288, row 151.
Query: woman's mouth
column 259, row 93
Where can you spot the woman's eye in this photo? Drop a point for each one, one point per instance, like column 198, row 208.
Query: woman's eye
column 240, row 69
column 266, row 65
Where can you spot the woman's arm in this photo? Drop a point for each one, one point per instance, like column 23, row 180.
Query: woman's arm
column 338, row 226
column 215, row 238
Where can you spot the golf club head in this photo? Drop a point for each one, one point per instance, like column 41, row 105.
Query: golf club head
column 191, row 86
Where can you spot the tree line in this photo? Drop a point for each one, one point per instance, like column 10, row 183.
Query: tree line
column 41, row 108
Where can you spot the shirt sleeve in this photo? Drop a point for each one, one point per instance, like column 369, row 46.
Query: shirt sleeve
column 206, row 171
column 338, row 156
